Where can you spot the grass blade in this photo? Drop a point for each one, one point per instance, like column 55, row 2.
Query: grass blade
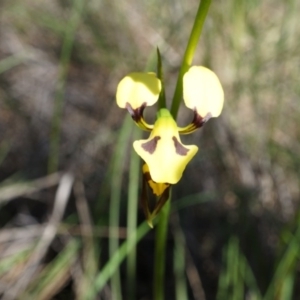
column 55, row 275
column 132, row 209
column 115, row 199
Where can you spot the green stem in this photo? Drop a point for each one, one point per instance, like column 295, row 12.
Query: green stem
column 160, row 251
column 189, row 53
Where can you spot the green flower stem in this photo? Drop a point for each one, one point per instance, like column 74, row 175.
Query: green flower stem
column 189, row 53
column 161, row 234
column 160, row 251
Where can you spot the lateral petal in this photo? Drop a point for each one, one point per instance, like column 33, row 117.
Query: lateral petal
column 203, row 92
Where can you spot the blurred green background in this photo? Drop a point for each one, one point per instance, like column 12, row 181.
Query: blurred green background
column 68, row 171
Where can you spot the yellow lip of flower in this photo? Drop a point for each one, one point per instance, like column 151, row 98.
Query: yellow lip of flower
column 163, row 151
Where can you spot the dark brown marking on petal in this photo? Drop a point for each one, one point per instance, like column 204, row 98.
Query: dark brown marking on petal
column 181, row 150
column 136, row 114
column 150, row 146
column 199, row 121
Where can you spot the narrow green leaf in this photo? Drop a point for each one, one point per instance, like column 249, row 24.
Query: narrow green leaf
column 132, row 210
column 119, row 160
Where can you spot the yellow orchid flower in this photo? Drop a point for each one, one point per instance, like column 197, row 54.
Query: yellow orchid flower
column 164, row 155
column 163, row 151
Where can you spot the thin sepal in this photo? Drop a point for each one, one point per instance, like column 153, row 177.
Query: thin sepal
column 161, row 202
column 145, row 201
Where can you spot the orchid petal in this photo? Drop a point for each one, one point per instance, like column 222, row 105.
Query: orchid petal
column 138, row 89
column 203, row 92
